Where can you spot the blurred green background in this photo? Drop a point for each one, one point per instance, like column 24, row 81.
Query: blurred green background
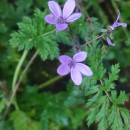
column 45, row 102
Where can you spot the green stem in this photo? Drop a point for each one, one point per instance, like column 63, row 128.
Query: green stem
column 18, row 68
column 108, row 96
column 16, row 73
column 49, row 82
column 15, row 104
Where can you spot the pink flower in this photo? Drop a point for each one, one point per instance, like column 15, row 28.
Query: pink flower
column 114, row 26
column 59, row 17
column 74, row 67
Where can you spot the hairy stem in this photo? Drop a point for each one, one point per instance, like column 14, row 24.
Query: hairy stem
column 94, row 39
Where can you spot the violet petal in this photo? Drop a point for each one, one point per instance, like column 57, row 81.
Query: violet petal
column 121, row 24
column 80, row 56
column 84, row 69
column 65, row 59
column 50, row 19
column 55, row 8
column 60, row 27
column 63, row 69
column 68, row 8
column 109, row 41
column 76, row 76
column 73, row 17
column 117, row 17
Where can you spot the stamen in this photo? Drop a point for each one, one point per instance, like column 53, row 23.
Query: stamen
column 61, row 20
column 72, row 64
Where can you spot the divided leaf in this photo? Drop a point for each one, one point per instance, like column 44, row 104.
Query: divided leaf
column 36, row 33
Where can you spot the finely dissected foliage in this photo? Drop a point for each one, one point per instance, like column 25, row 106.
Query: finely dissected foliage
column 35, row 33
column 104, row 105
column 45, row 101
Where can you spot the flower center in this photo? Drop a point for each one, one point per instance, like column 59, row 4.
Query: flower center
column 61, row 20
column 72, row 64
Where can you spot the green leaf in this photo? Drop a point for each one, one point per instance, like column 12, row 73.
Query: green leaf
column 62, row 37
column 35, row 33
column 112, row 77
column 5, row 125
column 121, row 99
column 91, row 116
column 117, row 121
column 126, row 117
column 22, row 122
column 3, row 104
column 47, row 48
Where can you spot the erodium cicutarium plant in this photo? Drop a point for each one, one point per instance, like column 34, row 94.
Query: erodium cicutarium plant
column 68, row 34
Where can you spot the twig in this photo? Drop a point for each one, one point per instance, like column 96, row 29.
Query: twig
column 18, row 84
column 94, row 39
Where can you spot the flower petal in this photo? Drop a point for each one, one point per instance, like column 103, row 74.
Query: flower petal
column 120, row 24
column 60, row 27
column 117, row 24
column 79, row 57
column 55, row 8
column 84, row 69
column 68, row 8
column 76, row 76
column 50, row 19
column 63, row 69
column 65, row 59
column 109, row 42
column 117, row 17
column 73, row 17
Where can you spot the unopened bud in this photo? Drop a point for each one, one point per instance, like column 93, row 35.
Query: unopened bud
column 89, row 20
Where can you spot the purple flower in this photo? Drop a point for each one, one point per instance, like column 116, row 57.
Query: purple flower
column 59, row 17
column 74, row 67
column 116, row 23
column 114, row 26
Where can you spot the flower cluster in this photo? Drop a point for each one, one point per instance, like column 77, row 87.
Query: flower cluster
column 61, row 18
